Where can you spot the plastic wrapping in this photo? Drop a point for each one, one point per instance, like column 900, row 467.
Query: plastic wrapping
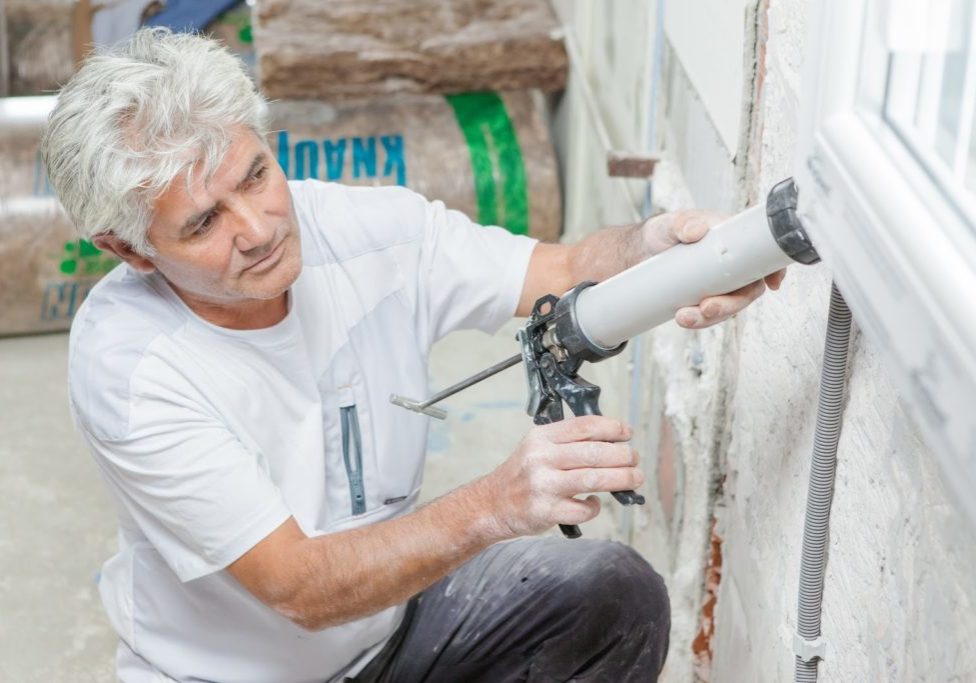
column 310, row 49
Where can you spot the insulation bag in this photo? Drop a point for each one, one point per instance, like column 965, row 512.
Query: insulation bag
column 45, row 270
column 485, row 154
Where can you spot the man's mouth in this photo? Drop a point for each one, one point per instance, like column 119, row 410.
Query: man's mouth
column 269, row 260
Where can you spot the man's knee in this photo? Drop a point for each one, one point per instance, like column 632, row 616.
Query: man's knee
column 616, row 606
column 615, row 577
column 604, row 579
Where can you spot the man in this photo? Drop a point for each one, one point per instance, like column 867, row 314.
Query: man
column 231, row 380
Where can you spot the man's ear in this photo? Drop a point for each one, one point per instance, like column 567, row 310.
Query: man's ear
column 111, row 243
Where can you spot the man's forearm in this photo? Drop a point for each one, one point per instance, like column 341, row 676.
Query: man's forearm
column 605, row 253
column 556, row 268
column 344, row 576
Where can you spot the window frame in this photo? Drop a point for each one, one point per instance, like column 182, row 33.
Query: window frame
column 863, row 196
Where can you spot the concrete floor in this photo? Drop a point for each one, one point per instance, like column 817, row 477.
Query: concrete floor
column 57, row 524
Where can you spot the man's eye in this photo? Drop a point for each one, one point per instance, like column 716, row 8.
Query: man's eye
column 203, row 227
column 258, row 175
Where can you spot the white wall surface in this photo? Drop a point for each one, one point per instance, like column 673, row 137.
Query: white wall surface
column 708, row 37
column 615, row 43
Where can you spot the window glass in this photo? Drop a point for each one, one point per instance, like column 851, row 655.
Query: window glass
column 929, row 91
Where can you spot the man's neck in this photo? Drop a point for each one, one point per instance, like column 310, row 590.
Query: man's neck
column 251, row 314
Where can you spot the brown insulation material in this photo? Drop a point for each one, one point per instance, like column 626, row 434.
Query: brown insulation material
column 45, row 270
column 486, row 155
column 40, row 49
column 310, row 49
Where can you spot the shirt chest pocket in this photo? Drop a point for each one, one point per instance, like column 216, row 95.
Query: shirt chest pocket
column 363, row 486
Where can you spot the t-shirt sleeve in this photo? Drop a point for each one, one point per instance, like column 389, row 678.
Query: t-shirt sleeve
column 200, row 497
column 471, row 275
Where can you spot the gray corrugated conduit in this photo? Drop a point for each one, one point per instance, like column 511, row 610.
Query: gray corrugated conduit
column 808, row 645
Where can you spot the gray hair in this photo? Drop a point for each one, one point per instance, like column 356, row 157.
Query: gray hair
column 137, row 115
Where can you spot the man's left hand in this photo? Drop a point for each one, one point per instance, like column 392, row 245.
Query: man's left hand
column 684, row 227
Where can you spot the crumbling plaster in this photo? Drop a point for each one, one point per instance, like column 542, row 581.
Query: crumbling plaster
column 740, row 404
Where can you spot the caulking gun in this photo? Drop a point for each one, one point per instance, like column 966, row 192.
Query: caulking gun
column 593, row 321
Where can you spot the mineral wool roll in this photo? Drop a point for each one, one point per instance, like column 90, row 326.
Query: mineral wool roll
column 487, row 155
column 45, row 270
column 311, row 49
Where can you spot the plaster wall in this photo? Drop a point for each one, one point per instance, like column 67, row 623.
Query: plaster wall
column 899, row 594
column 725, row 417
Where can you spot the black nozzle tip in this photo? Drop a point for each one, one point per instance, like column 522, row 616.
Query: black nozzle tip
column 785, row 224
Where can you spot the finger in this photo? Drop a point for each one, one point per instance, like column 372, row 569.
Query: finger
column 776, row 279
column 577, row 511
column 594, row 454
column 666, row 230
column 599, row 480
column 688, row 227
column 715, row 309
column 691, row 226
column 586, row 428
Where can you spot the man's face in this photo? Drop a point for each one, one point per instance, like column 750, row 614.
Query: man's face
column 232, row 243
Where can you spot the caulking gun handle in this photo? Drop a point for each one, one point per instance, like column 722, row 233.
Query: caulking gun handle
column 590, row 406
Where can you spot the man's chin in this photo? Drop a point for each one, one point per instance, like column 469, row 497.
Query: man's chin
column 278, row 280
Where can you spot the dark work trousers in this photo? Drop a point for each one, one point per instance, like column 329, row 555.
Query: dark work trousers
column 534, row 609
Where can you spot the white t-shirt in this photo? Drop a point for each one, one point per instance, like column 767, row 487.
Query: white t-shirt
column 210, row 438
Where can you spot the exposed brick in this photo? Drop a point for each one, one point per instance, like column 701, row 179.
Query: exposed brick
column 701, row 646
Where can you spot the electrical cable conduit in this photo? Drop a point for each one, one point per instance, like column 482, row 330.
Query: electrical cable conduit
column 808, row 645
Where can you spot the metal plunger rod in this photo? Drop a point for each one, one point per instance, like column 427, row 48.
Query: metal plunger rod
column 426, row 406
column 473, row 379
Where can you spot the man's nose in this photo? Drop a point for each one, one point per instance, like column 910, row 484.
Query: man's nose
column 251, row 233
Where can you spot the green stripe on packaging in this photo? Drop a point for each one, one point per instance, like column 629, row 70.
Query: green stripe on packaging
column 495, row 153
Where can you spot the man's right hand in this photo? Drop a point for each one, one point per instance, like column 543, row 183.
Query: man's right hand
column 535, row 488
column 330, row 579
